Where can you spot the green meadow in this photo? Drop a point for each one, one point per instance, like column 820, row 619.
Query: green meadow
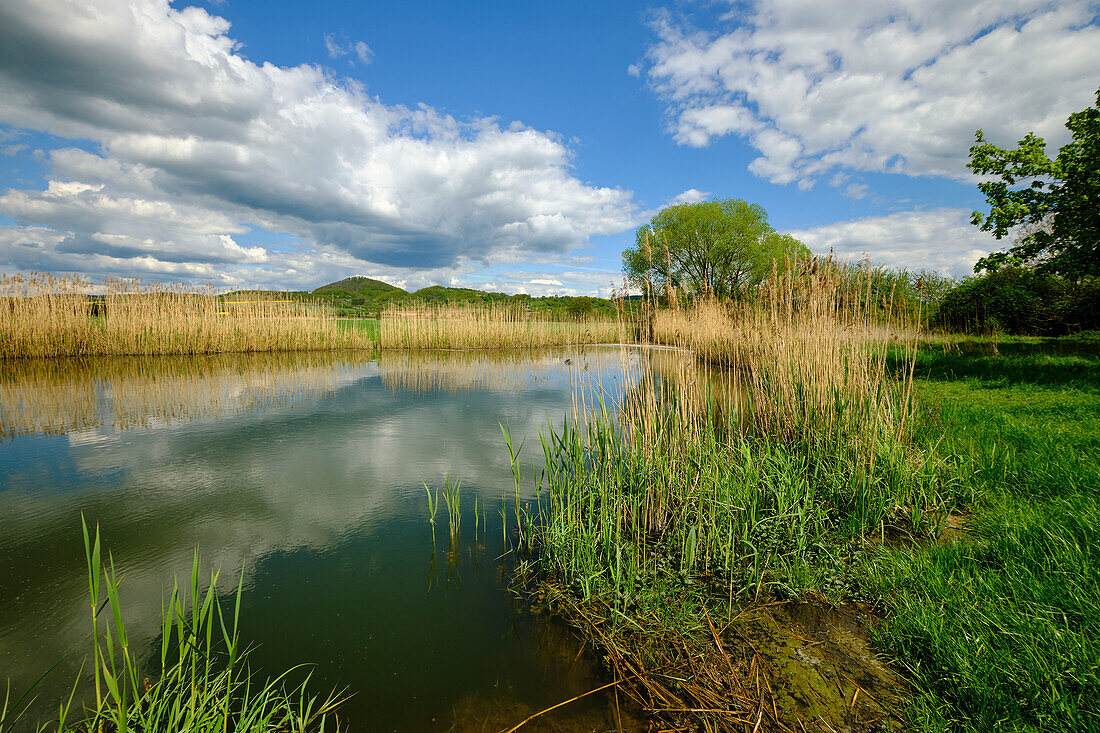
column 997, row 629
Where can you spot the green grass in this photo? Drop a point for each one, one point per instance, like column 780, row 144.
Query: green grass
column 1000, row 631
column 368, row 326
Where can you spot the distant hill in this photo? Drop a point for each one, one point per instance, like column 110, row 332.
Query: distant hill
column 363, row 286
column 364, row 296
column 442, row 294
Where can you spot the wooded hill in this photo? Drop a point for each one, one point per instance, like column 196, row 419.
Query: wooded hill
column 364, row 297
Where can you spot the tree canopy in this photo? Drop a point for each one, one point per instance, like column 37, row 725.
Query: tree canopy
column 712, row 247
column 1053, row 204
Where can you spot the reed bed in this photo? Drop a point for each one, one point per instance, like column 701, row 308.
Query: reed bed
column 489, row 327
column 811, row 347
column 48, row 316
column 774, row 484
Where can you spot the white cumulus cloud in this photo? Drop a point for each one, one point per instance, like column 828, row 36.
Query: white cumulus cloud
column 690, row 196
column 195, row 144
column 941, row 240
column 896, row 86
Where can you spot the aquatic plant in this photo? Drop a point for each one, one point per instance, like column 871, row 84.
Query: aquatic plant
column 452, row 496
column 513, row 455
column 203, row 681
column 433, row 504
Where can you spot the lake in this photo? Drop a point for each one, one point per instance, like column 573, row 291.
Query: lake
column 307, row 471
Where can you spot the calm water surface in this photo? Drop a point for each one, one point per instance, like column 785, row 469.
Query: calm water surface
column 307, row 471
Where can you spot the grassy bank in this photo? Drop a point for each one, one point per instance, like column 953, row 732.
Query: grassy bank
column 199, row 679
column 47, row 316
column 999, row 630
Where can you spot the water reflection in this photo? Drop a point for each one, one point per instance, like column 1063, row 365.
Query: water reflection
column 463, row 371
column 586, row 368
column 58, row 396
column 307, row 470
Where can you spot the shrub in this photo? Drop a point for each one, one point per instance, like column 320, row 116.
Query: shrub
column 1010, row 300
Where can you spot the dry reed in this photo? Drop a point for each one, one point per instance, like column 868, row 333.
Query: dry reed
column 489, row 327
column 809, row 349
column 683, row 681
column 46, row 316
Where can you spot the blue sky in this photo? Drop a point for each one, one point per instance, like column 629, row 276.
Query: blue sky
column 508, row 146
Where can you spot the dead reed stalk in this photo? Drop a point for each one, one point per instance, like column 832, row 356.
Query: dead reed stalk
column 684, row 680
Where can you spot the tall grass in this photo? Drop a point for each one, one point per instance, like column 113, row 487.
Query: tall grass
column 668, row 486
column 46, row 315
column 202, row 681
column 489, row 327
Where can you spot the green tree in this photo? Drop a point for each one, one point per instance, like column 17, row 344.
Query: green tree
column 712, row 247
column 1054, row 203
column 581, row 306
